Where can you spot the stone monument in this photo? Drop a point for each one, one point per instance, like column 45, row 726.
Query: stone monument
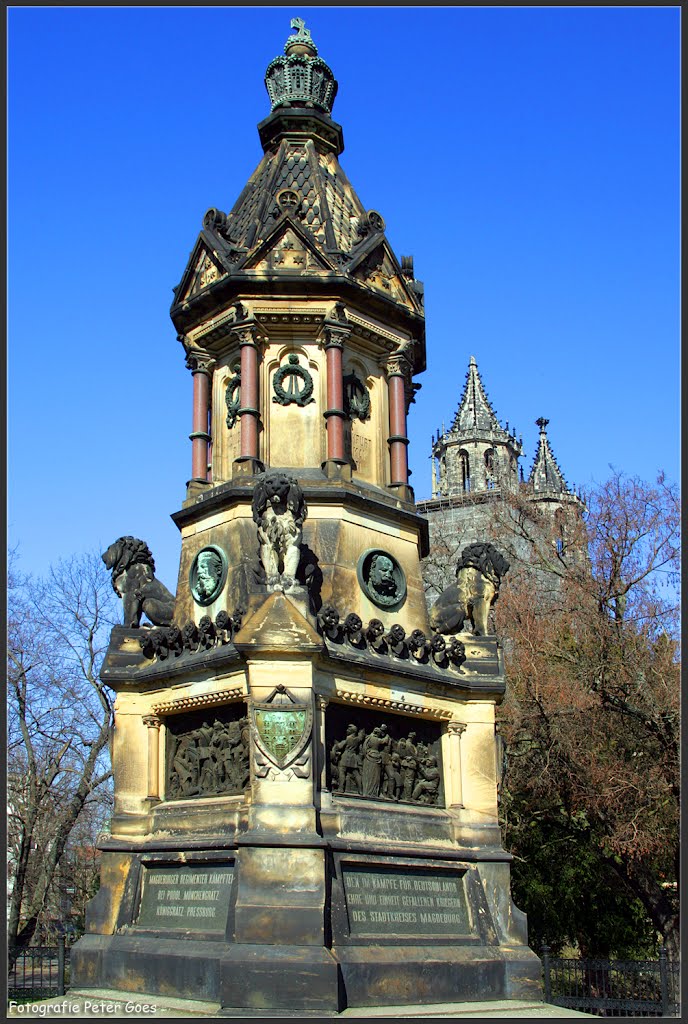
column 305, row 771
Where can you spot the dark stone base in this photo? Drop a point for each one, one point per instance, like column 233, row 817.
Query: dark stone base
column 281, row 977
column 398, row 976
column 308, row 979
column 183, row 968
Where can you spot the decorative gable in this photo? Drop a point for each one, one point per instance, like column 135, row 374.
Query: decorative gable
column 379, row 270
column 287, row 249
column 204, row 269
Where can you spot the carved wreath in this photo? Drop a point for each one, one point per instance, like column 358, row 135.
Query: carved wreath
column 292, row 393
column 233, row 396
column 356, row 398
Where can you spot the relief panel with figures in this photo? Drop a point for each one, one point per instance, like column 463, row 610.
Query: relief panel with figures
column 383, row 757
column 208, row 753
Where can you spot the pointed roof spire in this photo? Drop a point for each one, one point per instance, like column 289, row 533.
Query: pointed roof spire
column 475, row 414
column 546, row 474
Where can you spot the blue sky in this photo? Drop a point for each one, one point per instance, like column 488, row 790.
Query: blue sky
column 528, row 158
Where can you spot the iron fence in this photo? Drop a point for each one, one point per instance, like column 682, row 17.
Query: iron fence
column 614, row 988
column 38, row 972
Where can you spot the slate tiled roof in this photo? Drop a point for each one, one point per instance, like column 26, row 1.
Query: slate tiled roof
column 298, row 188
column 327, row 198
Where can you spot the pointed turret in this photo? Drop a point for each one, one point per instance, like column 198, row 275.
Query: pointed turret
column 303, row 333
column 475, row 414
column 546, row 474
column 477, row 454
column 298, row 219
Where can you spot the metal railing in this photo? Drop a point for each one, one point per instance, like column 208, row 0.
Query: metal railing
column 614, row 988
column 38, row 972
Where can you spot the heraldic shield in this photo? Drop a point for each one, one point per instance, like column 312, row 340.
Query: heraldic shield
column 281, row 726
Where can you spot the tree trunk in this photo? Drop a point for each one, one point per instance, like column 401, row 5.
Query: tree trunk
column 658, row 904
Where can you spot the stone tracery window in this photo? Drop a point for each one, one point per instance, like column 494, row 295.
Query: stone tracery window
column 489, row 467
column 465, row 466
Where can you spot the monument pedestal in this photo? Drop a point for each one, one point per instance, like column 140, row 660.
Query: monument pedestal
column 301, row 892
column 305, row 772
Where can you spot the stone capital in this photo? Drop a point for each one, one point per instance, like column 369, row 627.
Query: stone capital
column 200, row 362
column 322, row 703
column 246, row 333
column 456, row 728
column 397, row 365
column 334, row 336
column 152, row 721
column 335, row 331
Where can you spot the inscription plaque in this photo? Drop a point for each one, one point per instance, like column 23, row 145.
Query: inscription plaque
column 405, row 902
column 192, row 897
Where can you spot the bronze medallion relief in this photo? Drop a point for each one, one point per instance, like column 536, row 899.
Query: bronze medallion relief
column 381, row 578
column 208, row 574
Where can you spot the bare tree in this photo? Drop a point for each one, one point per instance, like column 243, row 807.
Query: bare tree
column 591, row 717
column 59, row 722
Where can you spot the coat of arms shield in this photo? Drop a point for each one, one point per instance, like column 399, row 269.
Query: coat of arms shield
column 281, row 728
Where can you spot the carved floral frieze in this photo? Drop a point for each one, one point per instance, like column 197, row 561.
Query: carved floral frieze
column 173, row 641
column 393, row 642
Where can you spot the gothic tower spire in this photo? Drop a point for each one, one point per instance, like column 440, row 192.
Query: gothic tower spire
column 477, row 454
column 546, row 474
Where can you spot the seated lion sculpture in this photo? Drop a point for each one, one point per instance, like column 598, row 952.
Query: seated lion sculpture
column 279, row 510
column 478, row 575
column 133, row 578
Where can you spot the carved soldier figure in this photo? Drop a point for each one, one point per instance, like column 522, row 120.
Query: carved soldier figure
column 392, row 782
column 214, row 768
column 409, row 764
column 185, row 766
column 427, row 787
column 346, row 757
column 201, row 739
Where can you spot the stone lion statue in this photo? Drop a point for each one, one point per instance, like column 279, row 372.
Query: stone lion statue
column 133, row 578
column 478, row 576
column 279, row 510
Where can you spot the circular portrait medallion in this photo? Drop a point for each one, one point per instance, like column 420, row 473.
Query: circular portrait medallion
column 208, row 574
column 381, row 578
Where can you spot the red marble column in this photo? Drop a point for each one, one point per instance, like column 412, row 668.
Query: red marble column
column 335, row 399
column 336, row 331
column 201, row 369
column 248, row 411
column 397, row 439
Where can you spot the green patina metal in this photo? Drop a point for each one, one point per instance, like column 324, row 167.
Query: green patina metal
column 300, row 394
column 356, row 398
column 281, row 730
column 300, row 78
column 233, row 396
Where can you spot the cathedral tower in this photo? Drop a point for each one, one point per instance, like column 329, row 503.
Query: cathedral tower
column 479, row 493
column 476, row 454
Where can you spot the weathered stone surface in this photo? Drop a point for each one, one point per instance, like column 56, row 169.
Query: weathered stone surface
column 305, row 777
